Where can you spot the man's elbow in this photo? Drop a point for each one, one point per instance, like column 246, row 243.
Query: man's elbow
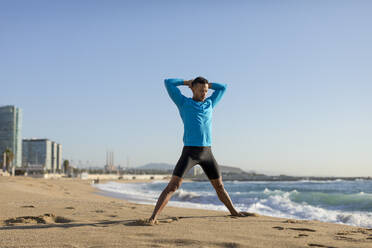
column 219, row 86
column 223, row 87
column 168, row 83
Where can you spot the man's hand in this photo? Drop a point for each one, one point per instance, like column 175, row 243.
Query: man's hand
column 188, row 82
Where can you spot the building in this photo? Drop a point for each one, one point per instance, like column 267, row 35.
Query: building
column 42, row 155
column 54, row 157
column 11, row 132
column 110, row 167
column 196, row 170
column 59, row 157
column 37, row 154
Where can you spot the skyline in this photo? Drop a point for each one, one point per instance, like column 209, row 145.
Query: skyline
column 90, row 77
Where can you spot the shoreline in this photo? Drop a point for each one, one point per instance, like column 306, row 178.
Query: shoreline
column 70, row 213
column 128, row 196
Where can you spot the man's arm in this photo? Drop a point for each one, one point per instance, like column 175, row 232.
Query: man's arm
column 188, row 83
column 173, row 92
column 219, row 91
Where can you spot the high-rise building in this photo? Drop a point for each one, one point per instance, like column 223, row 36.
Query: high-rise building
column 110, row 161
column 54, row 156
column 37, row 153
column 11, row 132
column 59, row 157
column 43, row 154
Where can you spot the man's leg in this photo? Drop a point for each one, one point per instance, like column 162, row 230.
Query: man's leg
column 184, row 163
column 211, row 169
column 164, row 197
column 224, row 196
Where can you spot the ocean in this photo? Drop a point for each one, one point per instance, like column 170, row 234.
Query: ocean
column 343, row 202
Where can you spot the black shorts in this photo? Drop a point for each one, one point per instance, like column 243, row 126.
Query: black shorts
column 202, row 155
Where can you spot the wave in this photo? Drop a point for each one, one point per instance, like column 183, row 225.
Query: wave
column 349, row 202
column 276, row 203
column 278, row 191
column 320, row 181
column 184, row 195
column 283, row 206
column 352, row 202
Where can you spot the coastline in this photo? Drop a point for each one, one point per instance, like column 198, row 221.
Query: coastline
column 69, row 213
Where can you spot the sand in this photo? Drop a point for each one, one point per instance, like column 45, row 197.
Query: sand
column 70, row 213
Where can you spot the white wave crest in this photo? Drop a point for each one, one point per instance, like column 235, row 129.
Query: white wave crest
column 282, row 206
column 274, row 203
column 184, row 195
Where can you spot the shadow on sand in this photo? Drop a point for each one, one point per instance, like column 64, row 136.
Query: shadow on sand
column 102, row 223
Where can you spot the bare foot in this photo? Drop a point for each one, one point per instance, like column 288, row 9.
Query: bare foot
column 152, row 222
column 147, row 222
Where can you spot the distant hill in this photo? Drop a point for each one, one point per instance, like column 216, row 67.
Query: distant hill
column 156, row 166
column 165, row 167
column 230, row 169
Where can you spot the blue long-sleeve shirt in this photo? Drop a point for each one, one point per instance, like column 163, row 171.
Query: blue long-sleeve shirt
column 196, row 116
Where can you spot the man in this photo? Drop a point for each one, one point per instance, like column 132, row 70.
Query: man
column 196, row 114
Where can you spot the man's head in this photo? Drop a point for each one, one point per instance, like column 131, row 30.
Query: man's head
column 199, row 87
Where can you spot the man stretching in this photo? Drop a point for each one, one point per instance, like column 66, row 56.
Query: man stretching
column 196, row 114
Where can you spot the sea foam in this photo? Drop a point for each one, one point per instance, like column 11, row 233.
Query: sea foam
column 271, row 202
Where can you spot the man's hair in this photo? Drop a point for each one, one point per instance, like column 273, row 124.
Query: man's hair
column 199, row 80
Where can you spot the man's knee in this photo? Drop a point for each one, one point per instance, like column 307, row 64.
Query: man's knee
column 218, row 186
column 173, row 186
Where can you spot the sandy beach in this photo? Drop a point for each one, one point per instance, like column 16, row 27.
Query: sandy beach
column 70, row 213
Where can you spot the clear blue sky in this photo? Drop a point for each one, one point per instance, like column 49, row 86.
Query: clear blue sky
column 89, row 75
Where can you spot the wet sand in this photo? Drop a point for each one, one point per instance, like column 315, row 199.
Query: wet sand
column 70, row 213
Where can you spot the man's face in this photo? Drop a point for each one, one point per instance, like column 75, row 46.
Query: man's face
column 200, row 92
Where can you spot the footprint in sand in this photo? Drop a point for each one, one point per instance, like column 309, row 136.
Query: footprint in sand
column 146, row 234
column 69, row 208
column 278, row 227
column 41, row 219
column 320, row 245
column 302, row 229
column 292, row 221
column 345, row 238
column 301, row 235
column 295, row 229
column 360, row 234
